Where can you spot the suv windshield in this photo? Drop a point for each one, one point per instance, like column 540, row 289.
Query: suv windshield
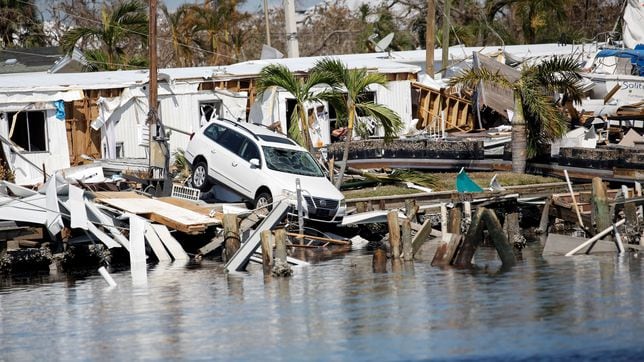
column 291, row 161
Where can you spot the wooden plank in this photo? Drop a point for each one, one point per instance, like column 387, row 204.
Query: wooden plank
column 103, row 195
column 193, row 206
column 156, row 244
column 176, row 217
column 170, row 242
column 421, row 236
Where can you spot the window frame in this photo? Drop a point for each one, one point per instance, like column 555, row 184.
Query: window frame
column 8, row 116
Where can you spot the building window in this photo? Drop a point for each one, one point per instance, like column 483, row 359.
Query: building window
column 208, row 111
column 28, row 130
column 120, row 152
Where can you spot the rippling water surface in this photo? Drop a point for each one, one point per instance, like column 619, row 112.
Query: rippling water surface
column 585, row 307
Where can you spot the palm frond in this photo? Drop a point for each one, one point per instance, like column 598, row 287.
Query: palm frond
column 388, row 119
column 280, row 76
column 472, row 77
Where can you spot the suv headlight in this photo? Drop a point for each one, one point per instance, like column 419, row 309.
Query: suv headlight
column 343, row 204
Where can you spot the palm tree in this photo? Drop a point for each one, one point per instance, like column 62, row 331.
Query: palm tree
column 20, row 24
column 537, row 120
column 182, row 27
column 126, row 21
column 278, row 75
column 348, row 88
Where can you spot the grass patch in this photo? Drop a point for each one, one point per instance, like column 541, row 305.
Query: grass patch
column 446, row 181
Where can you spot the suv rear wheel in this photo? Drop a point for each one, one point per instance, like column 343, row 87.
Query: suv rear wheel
column 199, row 176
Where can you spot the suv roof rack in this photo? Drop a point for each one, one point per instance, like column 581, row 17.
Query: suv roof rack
column 238, row 124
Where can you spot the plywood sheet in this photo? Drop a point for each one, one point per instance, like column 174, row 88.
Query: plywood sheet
column 170, row 215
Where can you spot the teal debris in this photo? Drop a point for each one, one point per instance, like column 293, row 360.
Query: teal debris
column 465, row 184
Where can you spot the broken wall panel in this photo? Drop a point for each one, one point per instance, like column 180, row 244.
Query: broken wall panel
column 430, row 106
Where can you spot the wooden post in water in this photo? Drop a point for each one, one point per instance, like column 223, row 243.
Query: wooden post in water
column 394, row 233
column 411, row 209
column 266, row 238
column 379, row 262
column 455, row 216
column 511, row 225
column 600, row 214
column 471, row 241
column 408, row 251
column 280, row 264
column 545, row 216
column 474, row 236
column 280, row 244
column 231, row 235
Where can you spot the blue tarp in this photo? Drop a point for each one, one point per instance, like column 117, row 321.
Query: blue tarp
column 636, row 55
column 465, row 184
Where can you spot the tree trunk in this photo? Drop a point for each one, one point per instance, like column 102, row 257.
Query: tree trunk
column 519, row 142
column 304, row 128
column 345, row 155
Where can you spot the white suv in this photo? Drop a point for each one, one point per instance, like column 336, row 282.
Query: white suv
column 261, row 165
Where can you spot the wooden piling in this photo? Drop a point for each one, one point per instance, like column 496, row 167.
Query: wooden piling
column 231, row 235
column 474, row 237
column 472, row 240
column 394, row 233
column 281, row 268
column 511, row 227
column 379, row 262
column 411, row 209
column 545, row 216
column 280, row 244
column 600, row 214
column 454, row 223
column 408, row 252
column 266, row 238
column 445, row 252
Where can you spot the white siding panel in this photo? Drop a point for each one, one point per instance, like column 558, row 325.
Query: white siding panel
column 131, row 117
column 397, row 96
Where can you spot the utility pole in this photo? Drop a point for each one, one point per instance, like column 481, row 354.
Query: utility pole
column 445, row 41
column 292, row 46
column 429, row 38
column 268, row 28
column 158, row 147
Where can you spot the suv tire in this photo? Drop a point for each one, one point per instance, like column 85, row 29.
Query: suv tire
column 199, row 177
column 264, row 199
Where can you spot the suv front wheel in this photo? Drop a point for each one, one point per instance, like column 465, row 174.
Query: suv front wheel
column 264, row 201
column 199, row 176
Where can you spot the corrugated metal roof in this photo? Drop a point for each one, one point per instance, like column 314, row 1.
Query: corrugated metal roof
column 125, row 78
column 394, row 62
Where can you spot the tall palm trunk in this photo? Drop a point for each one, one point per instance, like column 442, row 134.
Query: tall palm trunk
column 347, row 142
column 519, row 141
column 304, row 128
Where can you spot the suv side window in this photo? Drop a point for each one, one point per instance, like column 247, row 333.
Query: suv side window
column 249, row 150
column 231, row 140
column 214, row 131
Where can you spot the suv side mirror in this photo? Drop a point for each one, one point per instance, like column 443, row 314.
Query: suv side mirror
column 254, row 163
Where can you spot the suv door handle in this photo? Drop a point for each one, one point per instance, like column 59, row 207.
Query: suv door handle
column 213, row 151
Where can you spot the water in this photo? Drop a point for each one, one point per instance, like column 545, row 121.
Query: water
column 579, row 308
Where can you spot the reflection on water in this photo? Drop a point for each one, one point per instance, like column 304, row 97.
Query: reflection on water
column 559, row 308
